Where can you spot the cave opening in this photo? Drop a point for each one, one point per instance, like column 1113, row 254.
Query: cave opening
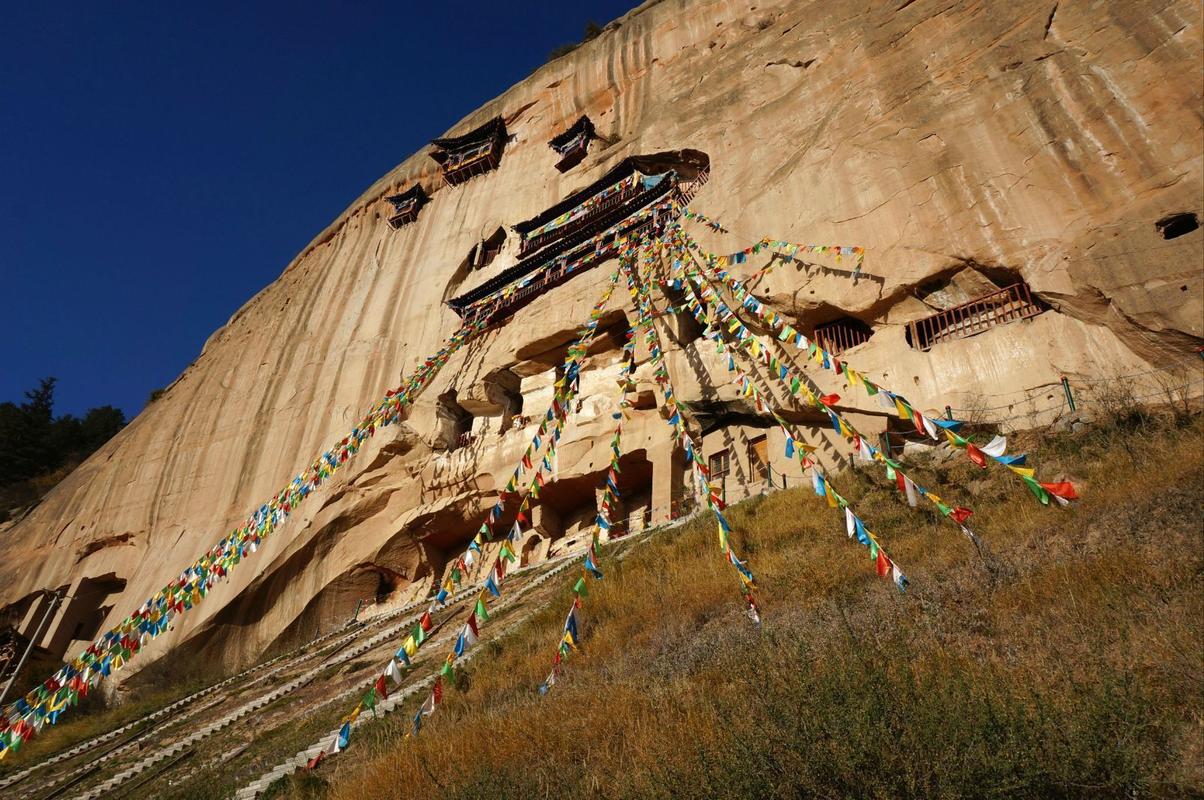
column 1173, row 226
column 488, row 249
column 842, row 334
column 992, row 308
column 454, row 423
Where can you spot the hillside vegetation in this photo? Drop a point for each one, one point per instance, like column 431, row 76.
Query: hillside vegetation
column 1064, row 663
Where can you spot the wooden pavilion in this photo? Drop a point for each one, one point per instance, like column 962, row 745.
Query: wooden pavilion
column 407, row 205
column 474, row 153
column 573, row 144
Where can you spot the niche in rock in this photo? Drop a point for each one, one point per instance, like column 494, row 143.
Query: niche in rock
column 454, row 423
column 487, row 249
column 1173, row 226
column 842, row 334
column 684, row 328
column 503, row 394
column 83, row 611
column 993, row 306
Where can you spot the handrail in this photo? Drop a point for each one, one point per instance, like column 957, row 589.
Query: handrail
column 528, row 246
column 976, row 316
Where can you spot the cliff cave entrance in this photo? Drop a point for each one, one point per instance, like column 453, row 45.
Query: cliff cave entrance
column 842, row 334
column 1009, row 304
column 454, row 424
column 530, row 550
column 1176, row 225
column 83, row 612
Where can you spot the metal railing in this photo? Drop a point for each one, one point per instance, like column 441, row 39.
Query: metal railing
column 980, row 314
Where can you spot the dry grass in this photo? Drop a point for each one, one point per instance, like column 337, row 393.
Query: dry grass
column 1065, row 664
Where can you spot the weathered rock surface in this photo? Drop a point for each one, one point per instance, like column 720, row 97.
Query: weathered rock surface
column 963, row 144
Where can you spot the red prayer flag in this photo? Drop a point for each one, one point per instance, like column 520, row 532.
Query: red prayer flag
column 976, row 456
column 917, row 419
column 960, row 514
column 313, row 762
column 379, row 686
column 1064, row 490
column 829, row 399
column 438, row 690
column 882, row 564
column 425, row 622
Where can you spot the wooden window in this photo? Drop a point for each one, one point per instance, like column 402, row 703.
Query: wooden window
column 720, row 464
column 758, row 458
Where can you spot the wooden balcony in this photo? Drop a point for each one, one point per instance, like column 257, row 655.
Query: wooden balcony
column 406, row 206
column 552, row 276
column 458, row 170
column 404, row 216
column 573, row 155
column 616, row 200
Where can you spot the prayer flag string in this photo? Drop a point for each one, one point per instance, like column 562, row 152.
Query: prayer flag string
column 1061, row 492
column 45, row 704
column 755, row 349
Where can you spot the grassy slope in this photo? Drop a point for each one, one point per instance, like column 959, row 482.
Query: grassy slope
column 1067, row 665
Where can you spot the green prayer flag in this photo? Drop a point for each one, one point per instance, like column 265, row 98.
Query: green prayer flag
column 1036, row 488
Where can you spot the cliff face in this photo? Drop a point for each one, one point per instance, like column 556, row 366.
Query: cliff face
column 964, row 145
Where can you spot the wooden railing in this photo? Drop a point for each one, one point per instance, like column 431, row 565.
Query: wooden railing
column 499, row 307
column 980, row 314
column 405, row 214
column 838, row 336
column 471, row 165
column 529, row 246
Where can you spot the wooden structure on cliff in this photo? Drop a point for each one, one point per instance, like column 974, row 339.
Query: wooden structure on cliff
column 474, row 153
column 573, row 144
column 407, row 205
column 585, row 228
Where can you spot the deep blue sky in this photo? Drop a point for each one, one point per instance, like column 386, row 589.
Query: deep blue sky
column 160, row 163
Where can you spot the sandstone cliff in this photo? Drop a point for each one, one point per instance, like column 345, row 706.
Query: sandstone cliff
column 963, row 144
